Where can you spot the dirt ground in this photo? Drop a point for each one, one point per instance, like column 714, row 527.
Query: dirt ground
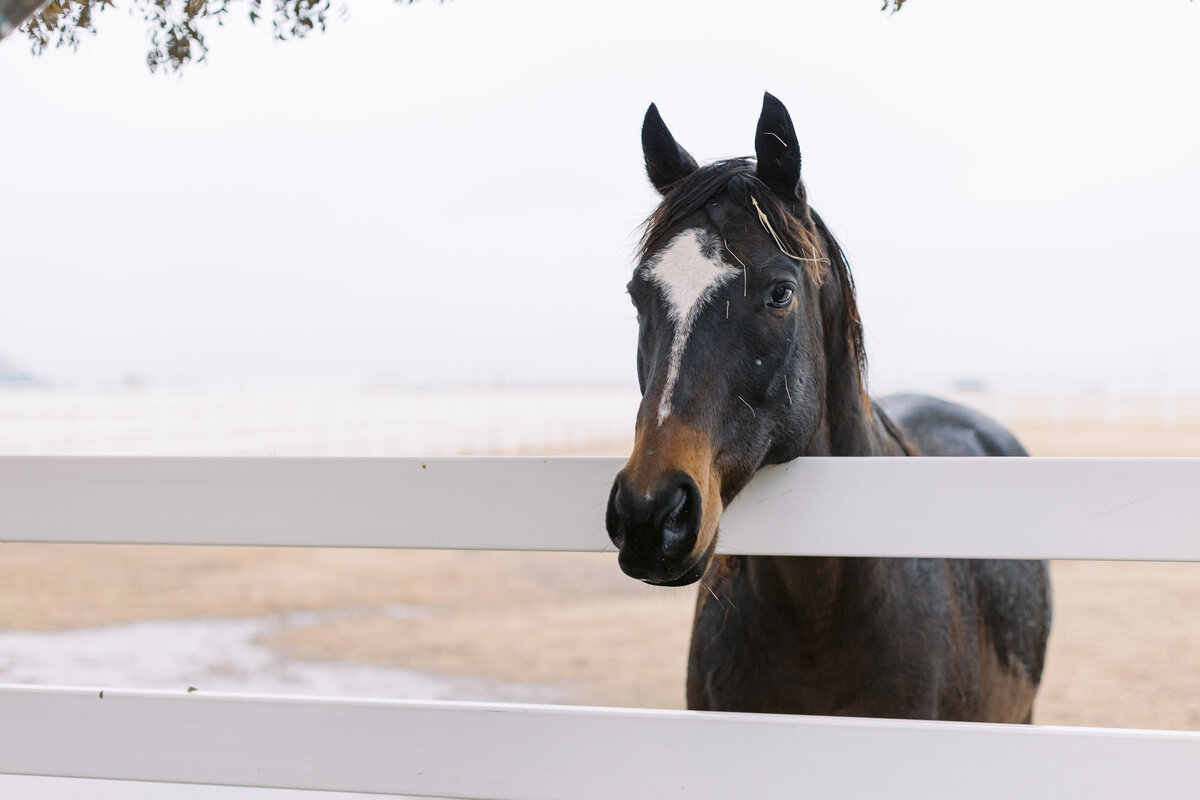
column 1124, row 649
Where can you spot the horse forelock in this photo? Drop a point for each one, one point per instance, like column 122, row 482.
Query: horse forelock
column 791, row 229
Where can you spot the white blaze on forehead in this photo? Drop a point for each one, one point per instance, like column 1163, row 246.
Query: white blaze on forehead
column 687, row 271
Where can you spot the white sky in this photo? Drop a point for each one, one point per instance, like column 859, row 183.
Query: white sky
column 450, row 192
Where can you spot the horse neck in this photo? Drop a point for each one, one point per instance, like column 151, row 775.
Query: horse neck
column 819, row 594
column 851, row 425
column 822, row 592
column 817, row 598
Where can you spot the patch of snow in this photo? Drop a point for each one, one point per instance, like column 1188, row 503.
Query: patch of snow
column 224, row 655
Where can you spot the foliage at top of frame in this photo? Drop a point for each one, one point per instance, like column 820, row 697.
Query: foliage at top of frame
column 176, row 27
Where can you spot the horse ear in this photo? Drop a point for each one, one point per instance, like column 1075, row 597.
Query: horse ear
column 777, row 150
column 666, row 161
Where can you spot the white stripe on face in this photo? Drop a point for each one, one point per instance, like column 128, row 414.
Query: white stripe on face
column 688, row 271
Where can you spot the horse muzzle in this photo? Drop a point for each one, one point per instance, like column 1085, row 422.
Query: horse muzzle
column 658, row 532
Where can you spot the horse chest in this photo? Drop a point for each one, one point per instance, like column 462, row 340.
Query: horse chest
column 748, row 657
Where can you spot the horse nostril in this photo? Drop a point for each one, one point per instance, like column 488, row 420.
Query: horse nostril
column 678, row 524
column 672, row 506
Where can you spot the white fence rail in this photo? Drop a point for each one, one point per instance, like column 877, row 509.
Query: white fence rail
column 1118, row 509
column 1032, row 508
column 527, row 752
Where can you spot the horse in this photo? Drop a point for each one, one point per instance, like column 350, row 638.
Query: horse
column 750, row 352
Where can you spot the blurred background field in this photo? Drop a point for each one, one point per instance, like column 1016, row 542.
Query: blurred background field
column 504, row 626
column 376, row 420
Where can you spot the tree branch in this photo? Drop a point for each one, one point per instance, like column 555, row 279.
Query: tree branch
column 14, row 12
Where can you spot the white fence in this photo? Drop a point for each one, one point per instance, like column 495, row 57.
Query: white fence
column 1032, row 508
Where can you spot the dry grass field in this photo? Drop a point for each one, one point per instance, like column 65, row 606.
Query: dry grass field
column 1124, row 650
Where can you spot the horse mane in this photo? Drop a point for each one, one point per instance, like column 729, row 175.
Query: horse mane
column 797, row 229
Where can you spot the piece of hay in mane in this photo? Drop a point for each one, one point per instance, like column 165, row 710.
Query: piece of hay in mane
column 815, row 267
column 745, row 274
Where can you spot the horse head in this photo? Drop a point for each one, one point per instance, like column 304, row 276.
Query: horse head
column 748, row 341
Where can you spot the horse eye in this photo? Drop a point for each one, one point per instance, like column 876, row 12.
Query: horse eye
column 781, row 295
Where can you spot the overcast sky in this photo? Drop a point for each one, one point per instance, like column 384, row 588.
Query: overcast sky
column 451, row 191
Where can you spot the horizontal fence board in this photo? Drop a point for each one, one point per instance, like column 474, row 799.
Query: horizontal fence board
column 1140, row 509
column 505, row 752
column 1066, row 508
